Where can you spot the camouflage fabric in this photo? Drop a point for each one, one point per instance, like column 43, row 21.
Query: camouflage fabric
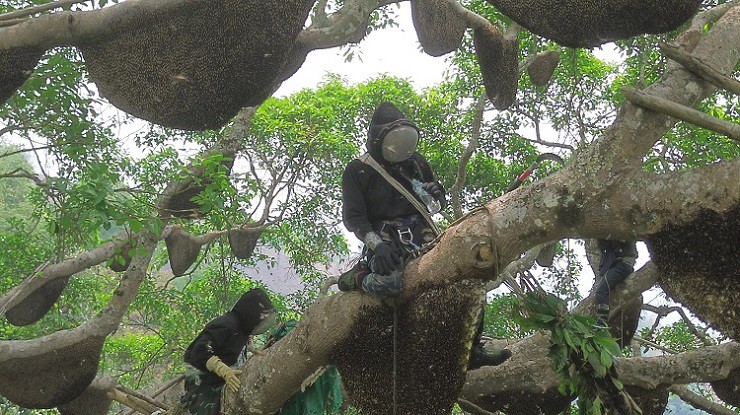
column 201, row 399
column 383, row 285
column 407, row 235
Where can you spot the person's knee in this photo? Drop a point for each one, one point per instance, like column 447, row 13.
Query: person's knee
column 383, row 285
column 602, row 292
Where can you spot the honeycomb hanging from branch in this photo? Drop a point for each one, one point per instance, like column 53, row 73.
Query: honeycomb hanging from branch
column 439, row 28
column 499, row 66
column 589, row 23
column 195, row 67
column 16, row 66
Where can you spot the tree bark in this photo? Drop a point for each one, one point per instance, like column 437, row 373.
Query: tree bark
column 587, row 199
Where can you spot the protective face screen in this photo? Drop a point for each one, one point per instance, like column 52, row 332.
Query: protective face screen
column 265, row 324
column 400, row 143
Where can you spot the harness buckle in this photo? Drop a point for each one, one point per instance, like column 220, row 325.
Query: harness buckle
column 407, row 238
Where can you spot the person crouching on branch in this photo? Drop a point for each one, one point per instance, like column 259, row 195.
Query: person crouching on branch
column 379, row 215
column 220, row 348
column 393, row 226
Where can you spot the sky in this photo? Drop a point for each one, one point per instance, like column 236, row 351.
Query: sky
column 393, row 51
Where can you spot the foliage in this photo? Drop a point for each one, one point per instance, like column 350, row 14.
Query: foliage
column 582, row 353
column 498, row 321
column 13, row 192
column 676, row 337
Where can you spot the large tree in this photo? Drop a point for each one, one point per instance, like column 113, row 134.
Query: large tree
column 196, row 65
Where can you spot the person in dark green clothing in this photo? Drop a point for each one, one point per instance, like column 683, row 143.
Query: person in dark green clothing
column 322, row 397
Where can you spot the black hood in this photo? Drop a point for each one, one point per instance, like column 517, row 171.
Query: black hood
column 385, row 115
column 249, row 307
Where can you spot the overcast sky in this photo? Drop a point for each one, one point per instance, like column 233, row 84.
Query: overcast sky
column 393, row 51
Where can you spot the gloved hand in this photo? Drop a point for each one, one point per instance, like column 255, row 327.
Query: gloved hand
column 386, row 258
column 231, row 376
column 434, row 189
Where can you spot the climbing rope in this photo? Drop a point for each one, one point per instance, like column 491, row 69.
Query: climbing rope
column 395, row 356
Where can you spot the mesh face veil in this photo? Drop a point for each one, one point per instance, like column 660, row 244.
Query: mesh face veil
column 268, row 320
column 399, row 143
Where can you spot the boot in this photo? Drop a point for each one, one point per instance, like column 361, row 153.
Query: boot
column 479, row 356
column 382, row 285
column 602, row 315
column 352, row 279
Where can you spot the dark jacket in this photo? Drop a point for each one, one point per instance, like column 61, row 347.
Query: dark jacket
column 227, row 336
column 613, row 251
column 368, row 199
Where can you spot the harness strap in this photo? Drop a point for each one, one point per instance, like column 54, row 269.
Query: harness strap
column 395, row 357
column 370, row 161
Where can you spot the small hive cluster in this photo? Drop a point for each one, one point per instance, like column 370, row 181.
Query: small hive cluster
column 623, row 324
column 51, row 378
column 541, row 69
column 37, row 304
column 651, row 401
column 439, row 28
column 729, row 389
column 499, row 65
column 16, row 66
column 93, row 401
column 550, row 402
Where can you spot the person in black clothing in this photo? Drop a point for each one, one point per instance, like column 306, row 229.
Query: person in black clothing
column 617, row 262
column 220, row 347
column 377, row 213
column 388, row 223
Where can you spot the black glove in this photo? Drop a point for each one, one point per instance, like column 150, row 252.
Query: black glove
column 386, row 258
column 434, row 189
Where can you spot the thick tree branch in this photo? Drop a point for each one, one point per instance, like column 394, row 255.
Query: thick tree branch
column 636, row 130
column 700, row 365
column 38, row 9
column 700, row 402
column 62, row 269
column 274, row 377
column 346, row 25
column 675, row 198
column 708, row 73
column 74, row 28
column 681, row 112
column 105, row 323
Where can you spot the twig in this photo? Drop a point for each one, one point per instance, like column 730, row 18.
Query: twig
column 653, row 345
column 13, row 22
column 699, row 68
column 462, row 165
column 38, row 9
column 159, row 391
column 143, row 397
column 467, row 406
column 131, row 401
column 549, row 143
column 664, row 311
column 682, row 112
column 325, row 286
